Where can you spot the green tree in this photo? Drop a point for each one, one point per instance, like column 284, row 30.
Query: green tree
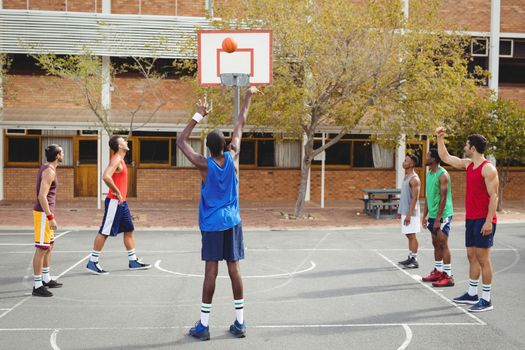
column 349, row 64
column 502, row 122
column 5, row 64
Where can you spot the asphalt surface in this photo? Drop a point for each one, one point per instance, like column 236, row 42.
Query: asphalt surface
column 304, row 289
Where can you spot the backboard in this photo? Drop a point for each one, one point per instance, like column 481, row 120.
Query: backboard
column 253, row 56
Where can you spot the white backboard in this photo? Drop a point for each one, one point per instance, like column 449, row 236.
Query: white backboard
column 253, row 56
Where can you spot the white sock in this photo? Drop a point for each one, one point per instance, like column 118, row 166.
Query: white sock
column 94, row 256
column 38, row 281
column 132, row 255
column 473, row 287
column 239, row 310
column 205, row 314
column 45, row 275
column 486, row 291
column 413, row 255
column 438, row 265
column 448, row 269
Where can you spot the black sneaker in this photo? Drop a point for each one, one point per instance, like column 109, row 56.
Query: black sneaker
column 405, row 262
column 52, row 284
column 41, row 292
column 413, row 264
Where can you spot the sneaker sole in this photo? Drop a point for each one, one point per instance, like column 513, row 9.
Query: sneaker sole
column 482, row 310
column 140, row 268
column 444, row 285
column 40, row 295
column 97, row 273
column 200, row 338
column 53, row 286
column 465, row 302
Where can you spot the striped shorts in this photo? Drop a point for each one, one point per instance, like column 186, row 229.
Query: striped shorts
column 44, row 236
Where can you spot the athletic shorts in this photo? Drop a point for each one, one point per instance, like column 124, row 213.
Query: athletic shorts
column 223, row 245
column 44, row 235
column 117, row 218
column 413, row 227
column 445, row 225
column 473, row 236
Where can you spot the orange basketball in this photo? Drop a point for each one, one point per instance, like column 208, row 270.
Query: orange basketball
column 229, row 45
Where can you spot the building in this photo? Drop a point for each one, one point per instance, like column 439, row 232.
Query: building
column 39, row 109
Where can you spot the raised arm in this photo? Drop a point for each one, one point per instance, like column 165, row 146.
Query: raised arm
column 490, row 174
column 235, row 144
column 108, row 176
column 194, row 157
column 443, row 152
column 48, row 176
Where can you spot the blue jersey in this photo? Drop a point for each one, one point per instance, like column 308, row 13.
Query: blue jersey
column 219, row 205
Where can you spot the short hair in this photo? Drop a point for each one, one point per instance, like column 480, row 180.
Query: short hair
column 435, row 154
column 52, row 151
column 479, row 142
column 215, row 142
column 113, row 142
column 414, row 158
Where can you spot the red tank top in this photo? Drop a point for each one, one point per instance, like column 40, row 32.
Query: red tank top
column 477, row 198
column 121, row 181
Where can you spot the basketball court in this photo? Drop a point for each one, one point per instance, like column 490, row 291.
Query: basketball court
column 304, row 289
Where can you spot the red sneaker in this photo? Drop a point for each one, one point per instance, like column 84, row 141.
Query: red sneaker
column 434, row 276
column 444, row 281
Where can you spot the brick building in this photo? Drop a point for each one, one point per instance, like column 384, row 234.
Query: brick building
column 39, row 109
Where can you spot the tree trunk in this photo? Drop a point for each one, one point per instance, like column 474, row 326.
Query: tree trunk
column 305, row 168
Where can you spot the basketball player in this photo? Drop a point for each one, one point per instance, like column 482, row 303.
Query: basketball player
column 408, row 210
column 117, row 217
column 437, row 217
column 481, row 200
column 219, row 215
column 44, row 221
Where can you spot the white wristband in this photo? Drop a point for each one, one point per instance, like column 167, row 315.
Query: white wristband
column 197, row 117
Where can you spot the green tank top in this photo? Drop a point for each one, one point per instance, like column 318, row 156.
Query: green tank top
column 433, row 195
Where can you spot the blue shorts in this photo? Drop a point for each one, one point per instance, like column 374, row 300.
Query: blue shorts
column 117, row 218
column 473, row 236
column 223, row 245
column 445, row 225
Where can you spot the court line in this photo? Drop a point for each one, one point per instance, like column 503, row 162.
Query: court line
column 28, row 297
column 263, row 326
column 287, row 274
column 517, row 258
column 433, row 290
column 24, row 244
column 408, row 339
column 53, row 340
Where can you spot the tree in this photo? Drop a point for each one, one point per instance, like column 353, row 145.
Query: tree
column 356, row 64
column 5, row 63
column 502, row 122
column 86, row 72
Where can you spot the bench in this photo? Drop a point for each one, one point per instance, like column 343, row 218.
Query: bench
column 376, row 207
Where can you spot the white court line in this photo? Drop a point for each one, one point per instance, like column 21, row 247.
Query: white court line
column 408, row 339
column 28, row 297
column 434, row 291
column 53, row 340
column 296, row 326
column 32, row 244
column 287, row 274
column 16, row 234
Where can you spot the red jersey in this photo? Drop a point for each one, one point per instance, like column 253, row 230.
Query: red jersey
column 477, row 198
column 121, row 181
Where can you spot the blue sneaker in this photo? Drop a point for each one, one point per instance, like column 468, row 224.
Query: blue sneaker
column 138, row 265
column 200, row 332
column 95, row 268
column 481, row 306
column 238, row 330
column 467, row 299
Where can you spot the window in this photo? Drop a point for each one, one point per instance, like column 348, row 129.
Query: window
column 512, row 71
column 87, row 152
column 362, row 155
column 155, row 151
column 174, row 152
column 266, row 153
column 479, row 47
column 247, row 155
column 23, row 150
